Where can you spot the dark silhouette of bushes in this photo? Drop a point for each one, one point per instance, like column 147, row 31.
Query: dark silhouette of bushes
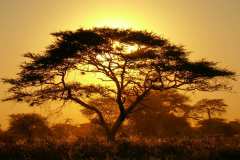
column 207, row 147
column 27, row 128
column 85, row 149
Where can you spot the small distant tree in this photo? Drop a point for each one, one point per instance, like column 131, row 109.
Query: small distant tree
column 158, row 125
column 28, row 128
column 210, row 107
column 169, row 101
column 118, row 64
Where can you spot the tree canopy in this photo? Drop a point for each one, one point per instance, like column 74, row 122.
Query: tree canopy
column 27, row 128
column 211, row 107
column 161, row 114
column 125, row 63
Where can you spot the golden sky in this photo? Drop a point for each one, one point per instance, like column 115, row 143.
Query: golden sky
column 208, row 28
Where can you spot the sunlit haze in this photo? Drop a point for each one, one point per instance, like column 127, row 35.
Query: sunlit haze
column 208, row 28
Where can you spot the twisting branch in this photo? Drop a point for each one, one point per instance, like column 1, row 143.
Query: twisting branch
column 92, row 108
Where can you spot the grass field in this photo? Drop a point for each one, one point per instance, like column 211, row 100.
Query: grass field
column 89, row 149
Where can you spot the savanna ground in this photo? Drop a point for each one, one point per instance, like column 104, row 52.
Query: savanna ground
column 29, row 137
column 170, row 149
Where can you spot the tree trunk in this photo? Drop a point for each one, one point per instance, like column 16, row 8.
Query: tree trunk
column 209, row 114
column 111, row 135
column 112, row 132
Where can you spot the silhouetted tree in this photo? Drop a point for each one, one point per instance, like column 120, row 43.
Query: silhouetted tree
column 28, row 128
column 167, row 102
column 210, row 107
column 153, row 125
column 121, row 63
column 161, row 115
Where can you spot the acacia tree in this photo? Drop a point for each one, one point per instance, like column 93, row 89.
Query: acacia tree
column 125, row 63
column 210, row 107
column 161, row 114
column 28, row 127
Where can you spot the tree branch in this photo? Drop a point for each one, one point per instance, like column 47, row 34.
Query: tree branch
column 92, row 108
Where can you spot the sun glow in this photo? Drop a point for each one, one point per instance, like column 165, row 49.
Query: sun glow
column 125, row 48
column 115, row 20
column 114, row 23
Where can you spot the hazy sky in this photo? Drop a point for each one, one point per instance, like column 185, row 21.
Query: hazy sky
column 208, row 28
